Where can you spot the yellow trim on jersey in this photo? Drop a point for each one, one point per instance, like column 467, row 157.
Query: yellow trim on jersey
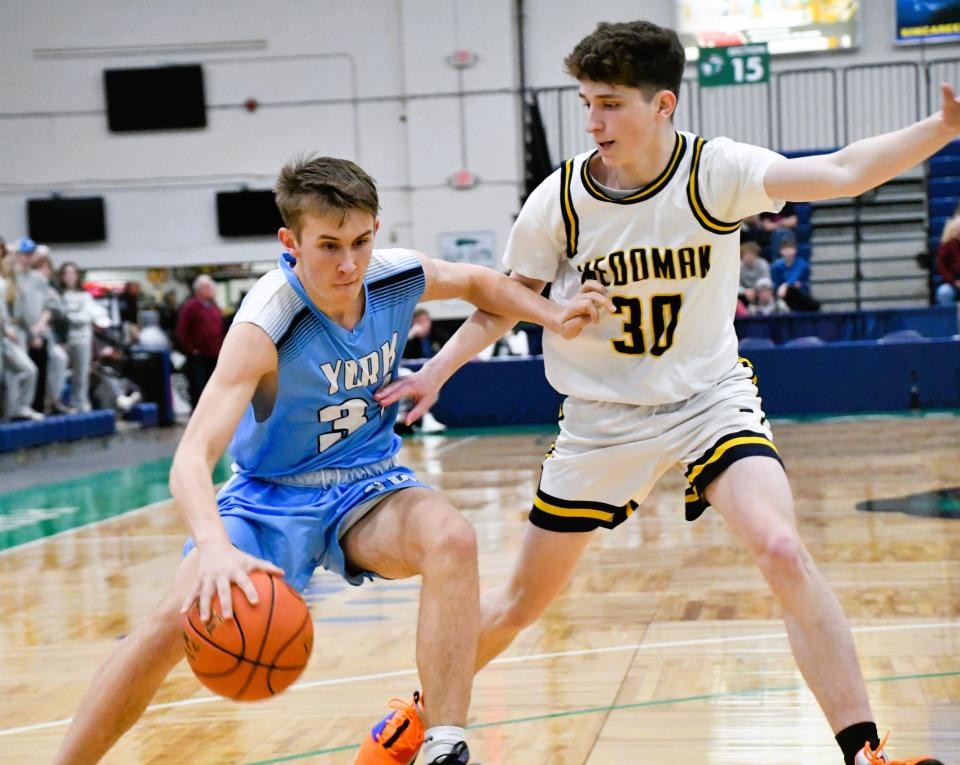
column 729, row 445
column 571, row 223
column 696, row 204
column 566, row 512
column 647, row 191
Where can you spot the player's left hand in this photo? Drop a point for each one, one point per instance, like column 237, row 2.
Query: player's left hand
column 583, row 309
column 951, row 107
column 422, row 387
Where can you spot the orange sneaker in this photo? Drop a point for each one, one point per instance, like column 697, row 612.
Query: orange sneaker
column 868, row 756
column 397, row 738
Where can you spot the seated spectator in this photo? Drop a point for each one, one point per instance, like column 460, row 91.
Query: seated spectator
column 791, row 278
column 752, row 269
column 766, row 229
column 948, row 262
column 766, row 303
column 420, row 342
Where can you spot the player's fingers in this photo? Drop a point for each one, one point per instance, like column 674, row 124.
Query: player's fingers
column 418, row 410
column 204, row 598
column 226, row 601
column 592, row 285
column 246, row 587
column 265, row 565
column 189, row 600
column 390, row 394
column 948, row 92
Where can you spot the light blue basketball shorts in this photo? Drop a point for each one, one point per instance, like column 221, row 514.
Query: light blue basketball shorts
column 299, row 527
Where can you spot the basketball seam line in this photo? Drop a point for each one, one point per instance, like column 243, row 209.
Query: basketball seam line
column 263, row 641
column 306, row 619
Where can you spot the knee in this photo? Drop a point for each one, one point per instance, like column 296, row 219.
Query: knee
column 783, row 559
column 453, row 543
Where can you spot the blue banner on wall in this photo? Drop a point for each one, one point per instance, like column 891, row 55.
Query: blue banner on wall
column 928, row 21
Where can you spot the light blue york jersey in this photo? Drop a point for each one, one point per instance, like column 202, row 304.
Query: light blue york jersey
column 324, row 415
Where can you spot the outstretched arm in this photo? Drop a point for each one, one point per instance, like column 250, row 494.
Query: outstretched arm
column 866, row 163
column 479, row 331
column 512, row 299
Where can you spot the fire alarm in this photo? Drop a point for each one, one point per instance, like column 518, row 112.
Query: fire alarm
column 461, row 59
column 462, row 180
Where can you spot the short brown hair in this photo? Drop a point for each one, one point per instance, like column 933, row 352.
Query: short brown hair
column 750, row 246
column 638, row 54
column 322, row 185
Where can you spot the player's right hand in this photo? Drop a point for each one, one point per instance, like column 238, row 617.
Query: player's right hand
column 422, row 387
column 219, row 564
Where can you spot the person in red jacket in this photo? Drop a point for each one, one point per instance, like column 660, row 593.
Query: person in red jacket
column 948, row 262
column 200, row 335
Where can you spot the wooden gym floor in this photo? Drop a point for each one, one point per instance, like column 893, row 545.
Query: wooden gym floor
column 666, row 650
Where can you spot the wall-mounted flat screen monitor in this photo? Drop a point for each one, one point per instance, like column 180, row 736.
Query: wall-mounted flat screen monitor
column 247, row 213
column 786, row 26
column 928, row 21
column 157, row 98
column 66, row 220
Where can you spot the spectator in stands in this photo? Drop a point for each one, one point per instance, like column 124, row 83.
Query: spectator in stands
column 129, row 305
column 766, row 303
column 18, row 374
column 752, row 269
column 420, row 342
column 948, row 261
column 791, row 277
column 766, row 229
column 200, row 334
column 81, row 312
column 39, row 305
column 168, row 313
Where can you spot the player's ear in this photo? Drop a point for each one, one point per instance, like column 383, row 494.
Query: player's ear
column 288, row 239
column 376, row 225
column 666, row 103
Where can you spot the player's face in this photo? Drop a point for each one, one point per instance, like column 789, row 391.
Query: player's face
column 332, row 256
column 621, row 121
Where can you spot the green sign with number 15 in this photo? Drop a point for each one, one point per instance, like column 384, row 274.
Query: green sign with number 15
column 734, row 65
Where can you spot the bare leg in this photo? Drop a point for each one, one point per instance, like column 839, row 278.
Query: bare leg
column 124, row 685
column 415, row 531
column 543, row 569
column 754, row 497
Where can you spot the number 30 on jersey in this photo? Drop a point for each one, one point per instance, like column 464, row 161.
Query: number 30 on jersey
column 664, row 314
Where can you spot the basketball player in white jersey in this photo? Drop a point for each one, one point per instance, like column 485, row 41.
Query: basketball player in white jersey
column 653, row 214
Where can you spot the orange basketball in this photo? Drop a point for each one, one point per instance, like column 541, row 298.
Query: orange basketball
column 257, row 653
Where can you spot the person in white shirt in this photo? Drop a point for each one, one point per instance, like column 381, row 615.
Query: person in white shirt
column 81, row 312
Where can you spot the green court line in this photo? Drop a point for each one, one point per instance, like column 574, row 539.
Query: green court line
column 41, row 511
column 618, row 708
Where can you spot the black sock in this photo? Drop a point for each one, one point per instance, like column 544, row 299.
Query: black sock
column 852, row 739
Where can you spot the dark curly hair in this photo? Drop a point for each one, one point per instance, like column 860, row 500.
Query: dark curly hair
column 637, row 54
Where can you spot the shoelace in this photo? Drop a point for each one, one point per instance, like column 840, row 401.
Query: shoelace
column 876, row 757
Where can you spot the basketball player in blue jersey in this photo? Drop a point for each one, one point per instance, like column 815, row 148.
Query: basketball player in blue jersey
column 316, row 479
column 653, row 214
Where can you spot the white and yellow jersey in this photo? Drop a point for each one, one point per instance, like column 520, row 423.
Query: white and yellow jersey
column 669, row 254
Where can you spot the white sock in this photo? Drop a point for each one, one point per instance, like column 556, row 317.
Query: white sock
column 440, row 740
